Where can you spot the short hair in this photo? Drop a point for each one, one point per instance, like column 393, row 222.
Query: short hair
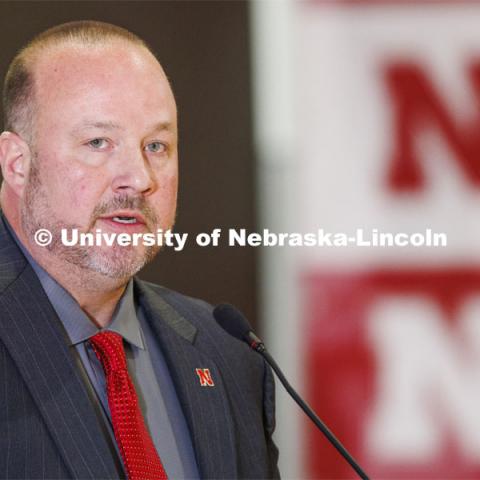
column 18, row 89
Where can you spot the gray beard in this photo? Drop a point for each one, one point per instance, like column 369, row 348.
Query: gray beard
column 115, row 262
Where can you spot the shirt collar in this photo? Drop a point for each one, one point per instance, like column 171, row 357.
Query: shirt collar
column 125, row 321
column 76, row 322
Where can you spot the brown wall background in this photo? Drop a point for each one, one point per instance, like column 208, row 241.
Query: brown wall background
column 204, row 48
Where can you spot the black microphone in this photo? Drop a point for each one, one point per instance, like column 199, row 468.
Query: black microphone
column 234, row 323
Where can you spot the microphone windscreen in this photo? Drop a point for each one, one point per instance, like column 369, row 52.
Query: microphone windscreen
column 232, row 320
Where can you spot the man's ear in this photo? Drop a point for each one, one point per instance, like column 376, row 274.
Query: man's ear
column 15, row 158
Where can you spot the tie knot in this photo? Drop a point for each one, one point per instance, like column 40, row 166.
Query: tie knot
column 109, row 349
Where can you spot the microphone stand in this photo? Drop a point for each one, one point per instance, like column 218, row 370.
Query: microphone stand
column 260, row 348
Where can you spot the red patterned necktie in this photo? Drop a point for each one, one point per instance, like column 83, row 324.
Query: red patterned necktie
column 136, row 446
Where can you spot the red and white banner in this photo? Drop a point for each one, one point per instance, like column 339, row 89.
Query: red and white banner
column 368, row 117
column 387, row 121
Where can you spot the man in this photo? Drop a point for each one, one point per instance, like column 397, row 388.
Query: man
column 103, row 375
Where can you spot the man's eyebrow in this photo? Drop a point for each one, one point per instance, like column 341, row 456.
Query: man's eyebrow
column 104, row 125
column 158, row 127
column 169, row 126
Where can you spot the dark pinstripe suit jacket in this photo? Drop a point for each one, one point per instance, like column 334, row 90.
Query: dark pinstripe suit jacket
column 49, row 423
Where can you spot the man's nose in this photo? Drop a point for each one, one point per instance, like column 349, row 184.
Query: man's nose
column 133, row 174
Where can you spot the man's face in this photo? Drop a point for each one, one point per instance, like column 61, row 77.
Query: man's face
column 105, row 153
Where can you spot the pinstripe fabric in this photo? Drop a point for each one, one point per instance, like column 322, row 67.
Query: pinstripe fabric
column 49, row 428
column 27, row 449
column 48, row 424
column 32, row 335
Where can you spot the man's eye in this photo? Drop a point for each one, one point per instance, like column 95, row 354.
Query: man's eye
column 156, row 147
column 98, row 143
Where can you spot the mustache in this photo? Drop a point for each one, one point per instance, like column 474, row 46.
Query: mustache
column 125, row 202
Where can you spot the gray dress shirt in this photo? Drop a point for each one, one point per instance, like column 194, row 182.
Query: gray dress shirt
column 146, row 364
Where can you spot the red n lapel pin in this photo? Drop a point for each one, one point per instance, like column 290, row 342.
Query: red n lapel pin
column 205, row 377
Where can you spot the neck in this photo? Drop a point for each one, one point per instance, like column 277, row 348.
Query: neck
column 96, row 294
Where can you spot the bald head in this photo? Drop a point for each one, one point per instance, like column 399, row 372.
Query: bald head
column 20, row 103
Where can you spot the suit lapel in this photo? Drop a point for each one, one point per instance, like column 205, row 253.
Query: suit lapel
column 35, row 339
column 206, row 408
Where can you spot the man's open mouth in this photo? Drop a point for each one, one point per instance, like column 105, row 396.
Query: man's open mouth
column 127, row 220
